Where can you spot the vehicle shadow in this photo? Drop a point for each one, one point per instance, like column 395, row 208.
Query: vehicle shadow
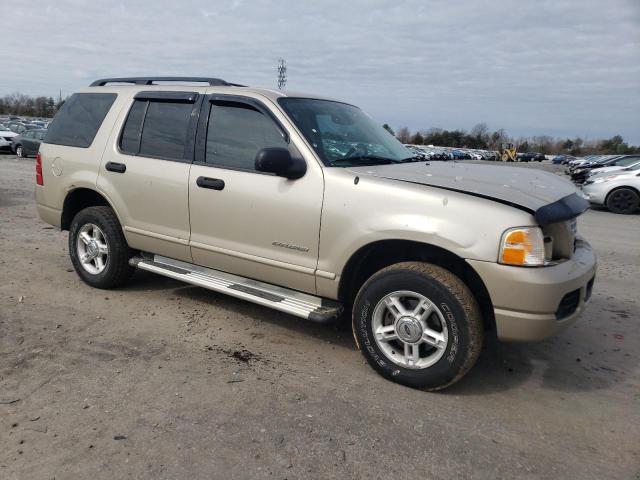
column 575, row 361
column 587, row 357
column 337, row 332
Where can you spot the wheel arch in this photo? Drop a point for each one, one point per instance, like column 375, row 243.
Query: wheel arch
column 79, row 199
column 380, row 254
column 613, row 190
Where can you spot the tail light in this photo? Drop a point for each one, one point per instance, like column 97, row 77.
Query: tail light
column 39, row 179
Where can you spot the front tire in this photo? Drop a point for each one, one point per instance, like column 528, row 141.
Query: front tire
column 98, row 249
column 20, row 151
column 417, row 324
column 623, row 200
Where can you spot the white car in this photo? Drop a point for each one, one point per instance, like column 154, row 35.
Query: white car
column 618, row 191
column 5, row 138
column 616, row 168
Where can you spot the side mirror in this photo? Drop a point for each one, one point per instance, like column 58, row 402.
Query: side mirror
column 280, row 162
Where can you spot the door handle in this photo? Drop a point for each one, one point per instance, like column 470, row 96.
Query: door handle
column 116, row 167
column 212, row 183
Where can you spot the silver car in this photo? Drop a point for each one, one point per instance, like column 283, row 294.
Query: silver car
column 619, row 191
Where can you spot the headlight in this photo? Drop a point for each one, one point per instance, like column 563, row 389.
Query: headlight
column 604, row 179
column 523, row 246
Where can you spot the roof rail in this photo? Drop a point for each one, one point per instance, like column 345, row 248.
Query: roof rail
column 214, row 82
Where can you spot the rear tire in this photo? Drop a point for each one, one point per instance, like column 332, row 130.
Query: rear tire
column 98, row 249
column 623, row 200
column 429, row 332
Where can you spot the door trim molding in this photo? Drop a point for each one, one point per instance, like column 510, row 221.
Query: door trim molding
column 159, row 236
column 254, row 258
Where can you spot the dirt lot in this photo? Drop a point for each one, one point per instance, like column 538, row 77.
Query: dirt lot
column 164, row 380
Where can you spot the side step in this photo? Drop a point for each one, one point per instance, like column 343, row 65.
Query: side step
column 296, row 303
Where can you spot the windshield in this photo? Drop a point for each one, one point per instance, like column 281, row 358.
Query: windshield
column 343, row 135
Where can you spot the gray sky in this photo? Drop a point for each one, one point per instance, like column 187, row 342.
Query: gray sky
column 557, row 67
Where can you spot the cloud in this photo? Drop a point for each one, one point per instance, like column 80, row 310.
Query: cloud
column 558, row 67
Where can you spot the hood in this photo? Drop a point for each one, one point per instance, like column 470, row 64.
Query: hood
column 549, row 197
column 7, row 133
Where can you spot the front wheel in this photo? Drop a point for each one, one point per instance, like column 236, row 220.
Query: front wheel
column 418, row 324
column 623, row 200
column 98, row 249
column 20, row 151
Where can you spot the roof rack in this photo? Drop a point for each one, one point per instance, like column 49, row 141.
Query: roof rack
column 214, row 82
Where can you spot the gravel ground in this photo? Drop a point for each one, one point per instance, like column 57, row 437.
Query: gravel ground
column 164, row 380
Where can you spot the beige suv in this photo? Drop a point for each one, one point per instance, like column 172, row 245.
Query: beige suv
column 308, row 206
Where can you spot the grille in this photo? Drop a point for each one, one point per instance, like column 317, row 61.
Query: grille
column 568, row 304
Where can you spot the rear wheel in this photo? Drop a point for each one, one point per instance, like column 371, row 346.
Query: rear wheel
column 418, row 324
column 98, row 249
column 623, row 200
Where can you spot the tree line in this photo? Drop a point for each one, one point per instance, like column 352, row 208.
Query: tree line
column 29, row 106
column 481, row 137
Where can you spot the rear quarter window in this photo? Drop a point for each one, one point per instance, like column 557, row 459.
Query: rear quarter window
column 79, row 119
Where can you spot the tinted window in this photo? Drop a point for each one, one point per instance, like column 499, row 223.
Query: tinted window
column 79, row 119
column 162, row 132
column 130, row 139
column 237, row 132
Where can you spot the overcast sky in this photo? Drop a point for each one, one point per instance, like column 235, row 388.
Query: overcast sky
column 557, row 67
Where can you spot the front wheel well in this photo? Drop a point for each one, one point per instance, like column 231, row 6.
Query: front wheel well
column 77, row 200
column 378, row 255
column 635, row 190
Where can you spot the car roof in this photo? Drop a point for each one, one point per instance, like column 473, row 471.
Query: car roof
column 190, row 84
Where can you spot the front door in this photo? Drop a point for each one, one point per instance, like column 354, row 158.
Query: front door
column 246, row 222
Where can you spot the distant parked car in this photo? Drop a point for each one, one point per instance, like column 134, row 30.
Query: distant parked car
column 581, row 173
column 27, row 143
column 460, row 155
column 538, row 157
column 562, row 159
column 6, row 136
column 525, row 156
column 619, row 192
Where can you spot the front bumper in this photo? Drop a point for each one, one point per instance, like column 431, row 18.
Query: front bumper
column 595, row 193
column 531, row 304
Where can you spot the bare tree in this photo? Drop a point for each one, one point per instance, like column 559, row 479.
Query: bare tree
column 403, row 134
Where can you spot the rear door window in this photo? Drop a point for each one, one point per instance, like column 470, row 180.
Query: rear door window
column 79, row 119
column 157, row 128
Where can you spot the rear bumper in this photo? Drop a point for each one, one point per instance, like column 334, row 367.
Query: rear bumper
column 50, row 215
column 531, row 304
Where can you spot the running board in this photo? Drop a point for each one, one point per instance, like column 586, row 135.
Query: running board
column 296, row 303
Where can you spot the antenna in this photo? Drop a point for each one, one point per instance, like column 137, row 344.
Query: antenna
column 282, row 73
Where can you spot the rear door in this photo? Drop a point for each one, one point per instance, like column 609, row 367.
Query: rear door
column 247, row 222
column 145, row 170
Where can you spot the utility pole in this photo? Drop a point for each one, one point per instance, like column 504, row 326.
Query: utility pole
column 282, row 73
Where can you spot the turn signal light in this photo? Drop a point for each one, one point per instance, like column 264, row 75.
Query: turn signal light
column 523, row 246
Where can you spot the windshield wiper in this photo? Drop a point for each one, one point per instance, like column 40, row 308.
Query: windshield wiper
column 366, row 160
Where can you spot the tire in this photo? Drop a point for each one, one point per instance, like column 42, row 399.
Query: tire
column 623, row 200
column 20, row 151
column 455, row 323
column 100, row 226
